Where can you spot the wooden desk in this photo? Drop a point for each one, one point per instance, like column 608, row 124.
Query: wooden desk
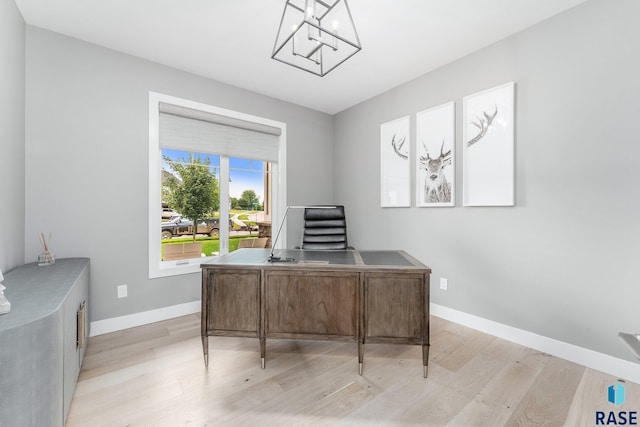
column 360, row 296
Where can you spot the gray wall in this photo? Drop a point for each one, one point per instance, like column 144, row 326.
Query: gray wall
column 12, row 83
column 87, row 161
column 562, row 263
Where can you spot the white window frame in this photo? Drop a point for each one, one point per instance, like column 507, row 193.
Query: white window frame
column 159, row 268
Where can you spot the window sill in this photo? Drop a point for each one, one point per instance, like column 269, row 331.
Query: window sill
column 177, row 267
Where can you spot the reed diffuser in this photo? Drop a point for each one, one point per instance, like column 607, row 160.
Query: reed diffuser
column 46, row 257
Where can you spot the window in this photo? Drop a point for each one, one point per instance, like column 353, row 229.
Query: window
column 227, row 151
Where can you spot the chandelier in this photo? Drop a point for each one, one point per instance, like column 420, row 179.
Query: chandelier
column 316, row 35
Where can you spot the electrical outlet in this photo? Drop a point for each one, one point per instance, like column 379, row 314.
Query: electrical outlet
column 444, row 284
column 122, row 291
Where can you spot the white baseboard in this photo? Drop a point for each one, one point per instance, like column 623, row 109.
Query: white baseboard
column 620, row 368
column 100, row 327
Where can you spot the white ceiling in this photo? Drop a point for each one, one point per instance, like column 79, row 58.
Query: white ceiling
column 231, row 40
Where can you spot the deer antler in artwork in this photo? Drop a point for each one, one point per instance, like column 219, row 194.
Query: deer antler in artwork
column 444, row 158
column 482, row 123
column 397, row 146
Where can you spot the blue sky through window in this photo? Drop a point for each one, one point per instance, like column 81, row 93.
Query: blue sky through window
column 245, row 174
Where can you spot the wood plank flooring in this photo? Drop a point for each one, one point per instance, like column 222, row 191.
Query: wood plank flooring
column 154, row 375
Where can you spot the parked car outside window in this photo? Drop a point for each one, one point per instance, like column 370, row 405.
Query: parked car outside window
column 179, row 226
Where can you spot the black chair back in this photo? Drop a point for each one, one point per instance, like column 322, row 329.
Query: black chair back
column 325, row 229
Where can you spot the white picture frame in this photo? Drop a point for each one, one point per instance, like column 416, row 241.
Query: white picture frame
column 488, row 120
column 395, row 180
column 435, row 156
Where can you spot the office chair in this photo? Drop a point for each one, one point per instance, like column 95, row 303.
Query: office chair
column 325, row 228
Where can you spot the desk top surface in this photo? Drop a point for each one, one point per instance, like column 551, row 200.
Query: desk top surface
column 291, row 258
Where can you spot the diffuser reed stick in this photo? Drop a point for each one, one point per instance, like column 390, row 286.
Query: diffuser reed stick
column 45, row 245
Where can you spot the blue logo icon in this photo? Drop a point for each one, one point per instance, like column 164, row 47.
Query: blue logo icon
column 616, row 394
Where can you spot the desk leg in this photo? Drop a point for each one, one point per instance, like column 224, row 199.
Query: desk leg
column 360, row 356
column 425, row 359
column 205, row 349
column 263, row 351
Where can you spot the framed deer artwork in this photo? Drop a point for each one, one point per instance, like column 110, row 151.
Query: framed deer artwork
column 488, row 147
column 395, row 181
column 435, row 156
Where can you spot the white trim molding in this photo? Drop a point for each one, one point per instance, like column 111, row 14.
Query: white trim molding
column 114, row 324
column 620, row 368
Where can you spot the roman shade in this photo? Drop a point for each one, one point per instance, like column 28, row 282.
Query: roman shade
column 203, row 132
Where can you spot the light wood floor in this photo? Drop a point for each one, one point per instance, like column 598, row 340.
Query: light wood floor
column 154, row 375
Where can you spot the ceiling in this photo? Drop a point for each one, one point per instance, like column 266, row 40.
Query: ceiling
column 231, row 40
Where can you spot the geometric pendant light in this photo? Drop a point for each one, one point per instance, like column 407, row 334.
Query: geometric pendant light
column 316, row 35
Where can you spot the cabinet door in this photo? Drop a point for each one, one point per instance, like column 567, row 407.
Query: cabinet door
column 300, row 304
column 394, row 307
column 74, row 335
column 233, row 298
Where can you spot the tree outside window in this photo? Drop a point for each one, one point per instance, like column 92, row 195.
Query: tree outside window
column 192, row 188
column 249, row 200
